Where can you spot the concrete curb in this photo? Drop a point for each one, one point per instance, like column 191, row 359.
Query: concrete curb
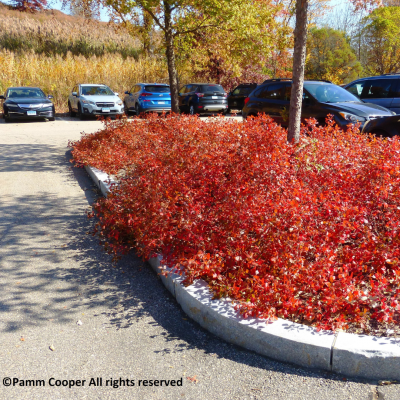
column 101, row 179
column 348, row 354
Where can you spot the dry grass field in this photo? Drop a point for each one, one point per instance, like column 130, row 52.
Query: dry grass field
column 53, row 32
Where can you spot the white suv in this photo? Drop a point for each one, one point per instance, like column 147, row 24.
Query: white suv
column 93, row 99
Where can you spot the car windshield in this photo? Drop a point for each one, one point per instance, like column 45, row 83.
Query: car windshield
column 96, row 91
column 21, row 93
column 211, row 88
column 329, row 93
column 157, row 89
column 242, row 91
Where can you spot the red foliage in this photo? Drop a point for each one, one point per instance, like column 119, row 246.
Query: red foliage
column 307, row 232
column 217, row 70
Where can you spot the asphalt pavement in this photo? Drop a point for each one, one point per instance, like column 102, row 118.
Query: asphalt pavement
column 75, row 325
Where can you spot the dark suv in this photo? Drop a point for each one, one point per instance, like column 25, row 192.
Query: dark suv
column 236, row 96
column 197, row 98
column 320, row 98
column 383, row 90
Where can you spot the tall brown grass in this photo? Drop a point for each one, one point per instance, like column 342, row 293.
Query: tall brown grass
column 57, row 75
column 52, row 32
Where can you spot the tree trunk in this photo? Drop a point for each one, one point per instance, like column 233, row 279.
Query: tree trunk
column 299, row 59
column 170, row 52
column 147, row 33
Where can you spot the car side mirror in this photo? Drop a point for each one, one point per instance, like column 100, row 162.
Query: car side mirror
column 2, row 97
column 127, row 92
column 50, row 96
column 75, row 94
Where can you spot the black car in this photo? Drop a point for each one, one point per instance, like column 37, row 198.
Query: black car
column 236, row 96
column 197, row 98
column 320, row 98
column 383, row 90
column 27, row 103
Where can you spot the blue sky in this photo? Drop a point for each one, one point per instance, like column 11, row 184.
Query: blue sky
column 57, row 4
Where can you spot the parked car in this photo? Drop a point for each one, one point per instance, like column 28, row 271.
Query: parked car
column 385, row 127
column 27, row 103
column 148, row 97
column 383, row 90
column 236, row 96
column 198, row 98
column 320, row 98
column 94, row 100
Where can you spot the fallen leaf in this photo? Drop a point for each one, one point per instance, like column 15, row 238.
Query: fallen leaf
column 79, row 322
column 192, row 379
column 51, row 347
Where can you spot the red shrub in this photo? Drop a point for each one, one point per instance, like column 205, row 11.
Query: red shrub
column 307, row 232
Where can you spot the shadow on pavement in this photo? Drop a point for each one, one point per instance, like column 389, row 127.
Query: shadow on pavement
column 30, row 157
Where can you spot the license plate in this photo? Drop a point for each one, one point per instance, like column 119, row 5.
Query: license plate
column 214, row 97
column 161, row 102
column 31, row 113
column 105, row 110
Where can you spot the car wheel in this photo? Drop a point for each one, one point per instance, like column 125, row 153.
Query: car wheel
column 71, row 113
column 137, row 109
column 191, row 109
column 80, row 112
column 6, row 118
column 126, row 110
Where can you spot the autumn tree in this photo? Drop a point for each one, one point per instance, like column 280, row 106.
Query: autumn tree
column 29, row 5
column 382, row 37
column 330, row 56
column 242, row 50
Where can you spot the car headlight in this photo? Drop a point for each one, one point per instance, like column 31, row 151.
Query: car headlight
column 12, row 105
column 88, row 102
column 352, row 118
column 393, row 113
column 119, row 103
